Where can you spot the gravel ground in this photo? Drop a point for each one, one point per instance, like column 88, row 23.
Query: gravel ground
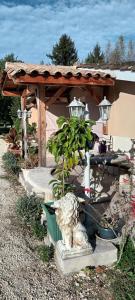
column 23, row 276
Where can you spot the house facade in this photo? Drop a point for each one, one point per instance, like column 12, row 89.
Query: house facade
column 121, row 123
column 52, row 88
column 47, row 90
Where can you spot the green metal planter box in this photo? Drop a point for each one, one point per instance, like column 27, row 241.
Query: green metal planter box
column 52, row 225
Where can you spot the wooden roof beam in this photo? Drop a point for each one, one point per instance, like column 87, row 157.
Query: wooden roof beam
column 93, row 94
column 59, row 92
column 11, row 93
column 72, row 81
column 12, row 90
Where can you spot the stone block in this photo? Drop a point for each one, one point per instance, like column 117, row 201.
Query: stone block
column 70, row 261
column 37, row 181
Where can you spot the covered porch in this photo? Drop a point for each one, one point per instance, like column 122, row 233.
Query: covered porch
column 47, row 90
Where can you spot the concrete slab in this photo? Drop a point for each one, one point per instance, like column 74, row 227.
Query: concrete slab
column 37, row 181
column 105, row 254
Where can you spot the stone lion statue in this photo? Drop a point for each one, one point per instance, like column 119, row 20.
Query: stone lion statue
column 67, row 215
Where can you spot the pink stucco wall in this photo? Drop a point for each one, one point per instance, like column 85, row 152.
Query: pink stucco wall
column 122, row 116
column 52, row 114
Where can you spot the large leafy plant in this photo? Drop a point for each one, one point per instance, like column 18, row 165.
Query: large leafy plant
column 72, row 137
column 13, row 139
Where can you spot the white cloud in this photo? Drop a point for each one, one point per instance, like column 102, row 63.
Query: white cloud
column 31, row 31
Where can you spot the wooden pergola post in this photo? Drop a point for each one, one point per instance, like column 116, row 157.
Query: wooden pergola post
column 41, row 125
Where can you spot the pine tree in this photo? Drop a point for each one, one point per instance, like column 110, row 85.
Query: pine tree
column 64, row 52
column 96, row 56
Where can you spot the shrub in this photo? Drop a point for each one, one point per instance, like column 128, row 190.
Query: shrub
column 123, row 280
column 123, row 286
column 127, row 262
column 11, row 163
column 31, row 162
column 38, row 230
column 33, row 150
column 17, row 126
column 31, row 128
column 46, row 253
column 29, row 209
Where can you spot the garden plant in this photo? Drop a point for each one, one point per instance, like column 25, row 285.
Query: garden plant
column 11, row 163
column 29, row 209
column 68, row 145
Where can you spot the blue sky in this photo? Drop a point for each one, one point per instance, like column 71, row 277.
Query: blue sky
column 29, row 29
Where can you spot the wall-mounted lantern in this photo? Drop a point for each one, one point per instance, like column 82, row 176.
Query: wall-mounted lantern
column 76, row 108
column 104, row 109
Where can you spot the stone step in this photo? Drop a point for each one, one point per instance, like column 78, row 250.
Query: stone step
column 37, row 181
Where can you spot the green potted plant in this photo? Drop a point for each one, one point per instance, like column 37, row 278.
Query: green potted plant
column 13, row 139
column 67, row 145
column 31, row 130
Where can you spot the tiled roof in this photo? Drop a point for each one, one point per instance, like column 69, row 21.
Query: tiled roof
column 20, row 69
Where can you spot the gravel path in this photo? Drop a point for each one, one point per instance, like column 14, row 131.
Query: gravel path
column 23, row 276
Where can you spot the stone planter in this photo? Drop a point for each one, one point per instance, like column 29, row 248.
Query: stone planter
column 52, row 225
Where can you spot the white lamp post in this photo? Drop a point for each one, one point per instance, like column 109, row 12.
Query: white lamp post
column 24, row 115
column 104, row 109
column 76, row 108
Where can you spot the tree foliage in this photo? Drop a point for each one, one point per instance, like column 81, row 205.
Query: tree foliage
column 72, row 136
column 8, row 105
column 64, row 52
column 96, row 56
column 121, row 52
column 66, row 144
column 117, row 56
column 15, row 105
column 131, row 51
column 10, row 58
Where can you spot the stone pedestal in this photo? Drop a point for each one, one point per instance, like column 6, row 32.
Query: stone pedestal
column 69, row 261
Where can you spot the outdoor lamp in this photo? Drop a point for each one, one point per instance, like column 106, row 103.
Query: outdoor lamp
column 76, row 108
column 25, row 113
column 19, row 113
column 104, row 109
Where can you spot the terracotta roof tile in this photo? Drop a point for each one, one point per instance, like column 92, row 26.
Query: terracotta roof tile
column 16, row 69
